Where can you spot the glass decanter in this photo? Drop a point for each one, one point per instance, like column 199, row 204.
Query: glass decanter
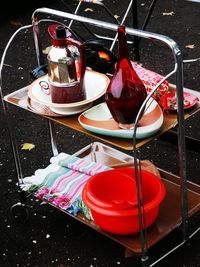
column 126, row 92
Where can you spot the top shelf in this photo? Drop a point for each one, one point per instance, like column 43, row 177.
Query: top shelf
column 20, row 99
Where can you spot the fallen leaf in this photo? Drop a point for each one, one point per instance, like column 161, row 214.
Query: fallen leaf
column 89, row 9
column 46, row 50
column 7, row 65
column 27, row 146
column 43, row 203
column 190, row 46
column 16, row 23
column 168, row 13
column 116, row 16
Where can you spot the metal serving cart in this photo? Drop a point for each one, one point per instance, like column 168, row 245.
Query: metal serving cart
column 180, row 191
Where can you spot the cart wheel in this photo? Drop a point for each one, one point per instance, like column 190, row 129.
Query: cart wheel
column 19, row 212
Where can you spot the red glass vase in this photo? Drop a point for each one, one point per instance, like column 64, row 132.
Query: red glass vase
column 126, row 92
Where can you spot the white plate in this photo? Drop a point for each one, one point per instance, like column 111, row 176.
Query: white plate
column 71, row 110
column 98, row 119
column 95, row 85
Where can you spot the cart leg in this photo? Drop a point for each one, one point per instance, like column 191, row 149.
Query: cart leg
column 145, row 261
column 52, row 138
column 19, row 210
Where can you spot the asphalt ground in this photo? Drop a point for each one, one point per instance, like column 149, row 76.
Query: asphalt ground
column 49, row 237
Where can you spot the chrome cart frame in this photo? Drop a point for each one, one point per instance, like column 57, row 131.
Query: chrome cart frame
column 177, row 70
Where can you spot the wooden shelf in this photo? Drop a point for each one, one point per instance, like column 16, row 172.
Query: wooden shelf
column 20, row 99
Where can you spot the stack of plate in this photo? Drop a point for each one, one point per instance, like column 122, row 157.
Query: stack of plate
column 40, row 100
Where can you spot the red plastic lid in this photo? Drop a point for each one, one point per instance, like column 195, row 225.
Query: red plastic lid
column 112, row 190
column 154, row 193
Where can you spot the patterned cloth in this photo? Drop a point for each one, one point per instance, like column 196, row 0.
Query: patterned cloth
column 61, row 183
column 150, row 79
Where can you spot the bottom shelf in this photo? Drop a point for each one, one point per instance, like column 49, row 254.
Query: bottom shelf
column 169, row 217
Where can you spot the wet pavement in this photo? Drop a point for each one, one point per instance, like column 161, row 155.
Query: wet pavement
column 49, row 237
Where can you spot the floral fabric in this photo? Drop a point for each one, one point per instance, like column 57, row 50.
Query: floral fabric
column 61, row 183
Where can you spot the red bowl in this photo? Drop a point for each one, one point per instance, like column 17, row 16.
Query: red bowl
column 115, row 190
column 126, row 221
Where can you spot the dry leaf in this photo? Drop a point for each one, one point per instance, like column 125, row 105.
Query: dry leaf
column 190, row 46
column 16, row 23
column 7, row 65
column 89, row 9
column 43, row 203
column 27, row 146
column 168, row 13
column 116, row 16
column 46, row 50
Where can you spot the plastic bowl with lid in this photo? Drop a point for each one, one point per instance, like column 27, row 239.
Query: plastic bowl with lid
column 123, row 220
